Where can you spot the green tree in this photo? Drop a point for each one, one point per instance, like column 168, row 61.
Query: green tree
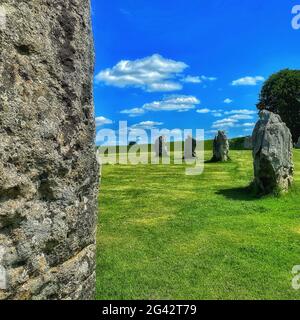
column 281, row 95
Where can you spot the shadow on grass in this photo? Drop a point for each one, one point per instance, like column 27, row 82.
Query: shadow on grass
column 212, row 160
column 241, row 194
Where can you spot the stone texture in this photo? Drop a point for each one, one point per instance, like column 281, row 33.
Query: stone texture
column 248, row 143
column 161, row 149
column 272, row 154
column 48, row 168
column 220, row 147
column 190, row 148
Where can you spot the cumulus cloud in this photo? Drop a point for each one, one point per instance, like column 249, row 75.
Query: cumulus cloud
column 248, row 81
column 153, row 73
column 173, row 103
column 179, row 103
column 205, row 78
column 234, row 121
column 249, row 124
column 241, row 117
column 215, row 113
column 205, row 110
column 241, row 111
column 146, row 125
column 164, row 86
column 134, row 112
column 197, row 79
column 192, row 79
column 224, row 123
column 100, row 121
column 228, row 101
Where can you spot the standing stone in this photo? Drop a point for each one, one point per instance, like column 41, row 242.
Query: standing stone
column 48, row 168
column 161, row 149
column 272, row 154
column 220, row 147
column 190, row 148
column 297, row 146
column 248, row 143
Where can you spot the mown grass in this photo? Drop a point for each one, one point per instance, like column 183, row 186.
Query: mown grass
column 165, row 235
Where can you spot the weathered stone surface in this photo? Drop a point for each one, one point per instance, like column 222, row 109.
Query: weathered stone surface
column 190, row 148
column 297, row 146
column 48, row 168
column 220, row 147
column 272, row 154
column 248, row 143
column 161, row 149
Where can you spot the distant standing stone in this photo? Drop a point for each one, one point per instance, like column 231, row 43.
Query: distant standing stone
column 248, row 143
column 272, row 154
column 161, row 147
column 297, row 146
column 190, row 148
column 220, row 147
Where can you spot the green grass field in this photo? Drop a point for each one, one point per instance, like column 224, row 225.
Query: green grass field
column 165, row 235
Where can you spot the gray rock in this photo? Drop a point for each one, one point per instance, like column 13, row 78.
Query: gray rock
column 190, row 148
column 272, row 154
column 220, row 147
column 48, row 168
column 297, row 146
column 161, row 149
column 248, row 143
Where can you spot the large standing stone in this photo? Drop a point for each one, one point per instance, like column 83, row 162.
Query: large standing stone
column 190, row 148
column 161, row 149
column 248, row 143
column 297, row 146
column 272, row 154
column 48, row 168
column 220, row 147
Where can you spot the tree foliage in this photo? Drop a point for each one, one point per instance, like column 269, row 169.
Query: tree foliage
column 281, row 95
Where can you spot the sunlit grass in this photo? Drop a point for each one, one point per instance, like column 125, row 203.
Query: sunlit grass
column 165, row 235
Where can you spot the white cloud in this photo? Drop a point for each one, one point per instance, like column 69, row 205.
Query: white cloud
column 173, row 103
column 249, row 124
column 179, row 103
column 240, row 111
column 153, row 73
column 146, row 125
column 205, row 110
column 228, row 101
column 217, row 114
column 233, row 122
column 164, row 86
column 204, row 78
column 134, row 112
column 224, row 123
column 192, row 79
column 100, row 121
column 241, row 117
column 197, row 79
column 248, row 81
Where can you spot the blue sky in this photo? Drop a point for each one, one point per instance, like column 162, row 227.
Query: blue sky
column 188, row 64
